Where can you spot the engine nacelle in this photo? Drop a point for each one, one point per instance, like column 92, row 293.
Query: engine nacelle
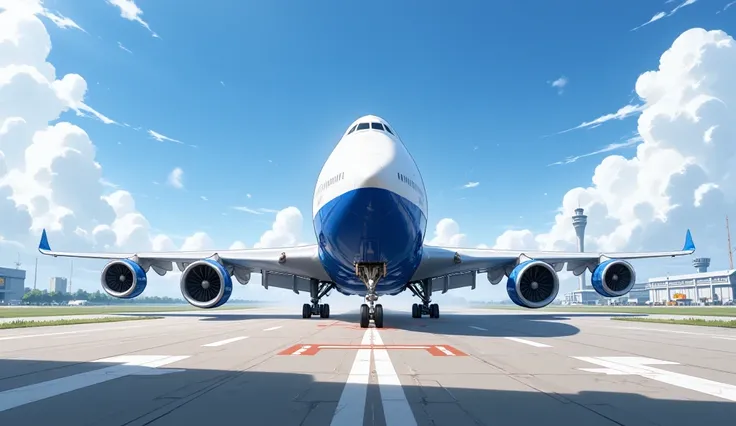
column 123, row 279
column 533, row 284
column 613, row 278
column 206, row 284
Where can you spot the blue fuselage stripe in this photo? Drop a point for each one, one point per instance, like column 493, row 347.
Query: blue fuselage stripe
column 370, row 225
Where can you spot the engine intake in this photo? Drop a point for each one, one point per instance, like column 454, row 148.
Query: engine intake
column 613, row 278
column 123, row 279
column 206, row 284
column 533, row 284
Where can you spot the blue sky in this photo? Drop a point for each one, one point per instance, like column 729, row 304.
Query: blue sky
column 258, row 93
column 468, row 88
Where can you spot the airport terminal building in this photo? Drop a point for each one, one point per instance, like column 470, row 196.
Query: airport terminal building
column 12, row 285
column 716, row 286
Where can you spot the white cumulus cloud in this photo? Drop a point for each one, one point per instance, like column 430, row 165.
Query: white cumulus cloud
column 130, row 11
column 560, row 84
column 681, row 175
column 175, row 178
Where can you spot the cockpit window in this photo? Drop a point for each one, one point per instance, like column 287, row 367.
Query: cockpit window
column 362, row 126
column 377, row 126
column 352, row 129
column 388, row 130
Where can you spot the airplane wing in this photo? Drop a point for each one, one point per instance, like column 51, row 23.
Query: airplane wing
column 289, row 267
column 443, row 262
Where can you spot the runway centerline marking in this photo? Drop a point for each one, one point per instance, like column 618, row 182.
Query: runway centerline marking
column 351, row 405
column 528, row 342
column 273, row 328
column 225, row 342
column 478, row 328
column 640, row 366
column 396, row 409
column 132, row 365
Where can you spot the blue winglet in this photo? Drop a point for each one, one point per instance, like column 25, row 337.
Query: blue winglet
column 44, row 244
column 689, row 244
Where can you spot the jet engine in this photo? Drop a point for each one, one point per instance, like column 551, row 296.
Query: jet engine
column 613, row 278
column 123, row 279
column 533, row 284
column 206, row 284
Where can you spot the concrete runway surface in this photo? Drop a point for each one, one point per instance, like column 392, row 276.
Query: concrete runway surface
column 268, row 367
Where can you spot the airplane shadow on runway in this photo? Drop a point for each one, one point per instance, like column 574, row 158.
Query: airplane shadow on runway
column 477, row 324
column 118, row 394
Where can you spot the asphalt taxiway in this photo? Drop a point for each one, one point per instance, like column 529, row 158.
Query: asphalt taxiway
column 267, row 367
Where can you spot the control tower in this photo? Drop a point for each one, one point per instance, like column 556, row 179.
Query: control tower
column 701, row 264
column 578, row 222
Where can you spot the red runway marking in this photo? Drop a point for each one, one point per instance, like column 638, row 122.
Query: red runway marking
column 312, row 349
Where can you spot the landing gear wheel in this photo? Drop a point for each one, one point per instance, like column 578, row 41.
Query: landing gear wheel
column 434, row 310
column 364, row 316
column 416, row 311
column 378, row 316
column 324, row 311
column 306, row 310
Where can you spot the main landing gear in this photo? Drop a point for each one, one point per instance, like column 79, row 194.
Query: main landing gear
column 423, row 290
column 370, row 274
column 318, row 291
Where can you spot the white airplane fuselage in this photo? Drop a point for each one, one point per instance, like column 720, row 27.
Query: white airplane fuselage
column 370, row 205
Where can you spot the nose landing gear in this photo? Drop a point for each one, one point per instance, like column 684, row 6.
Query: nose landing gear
column 370, row 274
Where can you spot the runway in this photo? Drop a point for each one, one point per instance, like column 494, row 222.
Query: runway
column 267, row 367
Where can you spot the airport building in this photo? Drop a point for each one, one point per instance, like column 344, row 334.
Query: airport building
column 57, row 284
column 701, row 287
column 12, row 285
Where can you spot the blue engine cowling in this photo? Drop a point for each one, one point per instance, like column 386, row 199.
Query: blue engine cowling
column 123, row 279
column 533, row 284
column 613, row 278
column 206, row 284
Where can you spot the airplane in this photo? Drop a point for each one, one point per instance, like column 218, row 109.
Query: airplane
column 370, row 219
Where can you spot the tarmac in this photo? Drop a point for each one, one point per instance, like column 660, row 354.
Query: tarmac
column 272, row 367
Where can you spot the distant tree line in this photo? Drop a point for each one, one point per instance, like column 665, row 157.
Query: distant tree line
column 44, row 297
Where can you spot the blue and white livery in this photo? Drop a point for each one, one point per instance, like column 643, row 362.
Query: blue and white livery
column 370, row 219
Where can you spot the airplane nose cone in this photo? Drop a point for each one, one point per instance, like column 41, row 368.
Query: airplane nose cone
column 374, row 156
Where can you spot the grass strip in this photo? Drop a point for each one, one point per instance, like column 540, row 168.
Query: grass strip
column 72, row 321
column 683, row 321
column 53, row 311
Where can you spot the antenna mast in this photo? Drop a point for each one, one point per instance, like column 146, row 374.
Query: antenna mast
column 730, row 247
column 17, row 263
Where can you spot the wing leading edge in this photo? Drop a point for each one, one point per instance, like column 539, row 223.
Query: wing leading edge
column 442, row 261
column 299, row 261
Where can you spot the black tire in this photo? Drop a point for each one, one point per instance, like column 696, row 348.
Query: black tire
column 321, row 311
column 378, row 316
column 434, row 310
column 364, row 316
column 415, row 313
column 327, row 310
column 306, row 310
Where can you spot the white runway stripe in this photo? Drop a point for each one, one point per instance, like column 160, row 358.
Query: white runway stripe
column 528, row 342
column 273, row 328
column 396, row 408
column 225, row 342
column 131, row 365
column 351, row 406
column 478, row 328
